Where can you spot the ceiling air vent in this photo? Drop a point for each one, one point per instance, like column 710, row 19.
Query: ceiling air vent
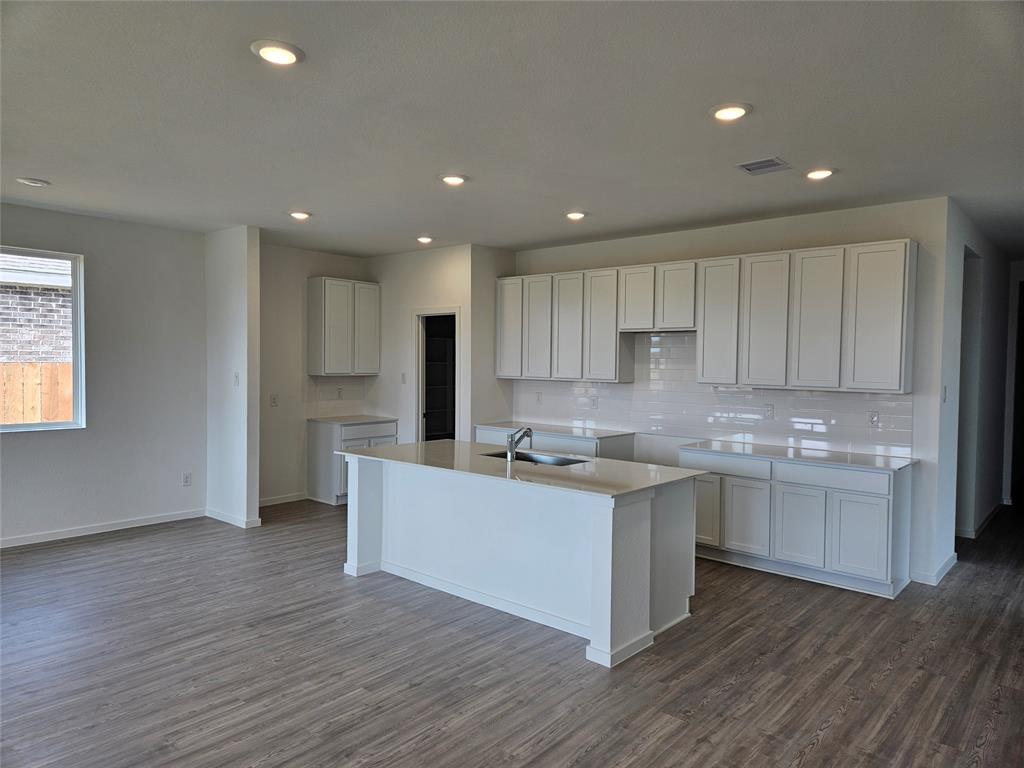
column 768, row 165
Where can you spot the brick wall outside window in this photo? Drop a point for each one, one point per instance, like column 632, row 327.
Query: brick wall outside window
column 35, row 324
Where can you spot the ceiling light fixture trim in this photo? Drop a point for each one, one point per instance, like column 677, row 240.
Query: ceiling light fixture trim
column 454, row 179
column 30, row 181
column 424, row 239
column 277, row 52
column 300, row 215
column 576, row 215
column 818, row 174
column 731, row 112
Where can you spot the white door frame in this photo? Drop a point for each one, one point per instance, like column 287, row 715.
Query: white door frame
column 418, row 315
column 1016, row 278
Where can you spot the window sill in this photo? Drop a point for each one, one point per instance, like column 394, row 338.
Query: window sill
column 48, row 426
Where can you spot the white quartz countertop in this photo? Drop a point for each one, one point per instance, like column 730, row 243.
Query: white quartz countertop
column 557, row 429
column 816, row 455
column 354, row 419
column 603, row 477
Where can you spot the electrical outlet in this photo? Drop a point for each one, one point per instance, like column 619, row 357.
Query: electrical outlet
column 769, row 411
column 873, row 418
column 539, row 398
column 403, row 377
column 273, row 401
column 593, row 402
column 341, row 393
column 186, row 479
column 237, row 379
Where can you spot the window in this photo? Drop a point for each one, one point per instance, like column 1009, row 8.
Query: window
column 42, row 371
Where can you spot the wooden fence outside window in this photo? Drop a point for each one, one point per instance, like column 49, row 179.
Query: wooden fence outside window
column 36, row 392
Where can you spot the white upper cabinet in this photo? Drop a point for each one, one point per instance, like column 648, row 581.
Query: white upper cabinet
column 367, row 328
column 816, row 317
column 674, row 286
column 718, row 282
column 343, row 327
column 764, row 319
column 509, row 327
column 567, row 326
column 537, row 326
column 636, row 298
column 606, row 357
column 878, row 316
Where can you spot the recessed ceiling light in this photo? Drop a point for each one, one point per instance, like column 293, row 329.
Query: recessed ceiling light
column 300, row 215
column 728, row 113
column 819, row 173
column 425, row 239
column 28, row 181
column 575, row 215
column 454, row 180
column 276, row 52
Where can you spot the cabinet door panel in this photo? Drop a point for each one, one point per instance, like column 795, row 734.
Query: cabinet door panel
column 600, row 325
column 708, row 501
column 815, row 326
column 674, row 286
column 509, row 327
column 347, row 444
column 859, row 534
column 873, row 316
column 764, row 319
column 746, row 516
column 636, row 298
column 338, row 313
column 537, row 326
column 798, row 525
column 567, row 326
column 718, row 283
column 367, row 328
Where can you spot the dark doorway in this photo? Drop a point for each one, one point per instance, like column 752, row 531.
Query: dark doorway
column 1017, row 465
column 439, row 377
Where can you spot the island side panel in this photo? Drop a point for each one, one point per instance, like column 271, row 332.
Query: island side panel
column 673, row 556
column 620, row 618
column 365, row 515
column 519, row 547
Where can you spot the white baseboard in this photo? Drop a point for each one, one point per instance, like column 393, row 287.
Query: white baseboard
column 86, row 530
column 361, row 569
column 932, row 579
column 224, row 517
column 620, row 654
column 973, row 533
column 491, row 601
column 271, row 500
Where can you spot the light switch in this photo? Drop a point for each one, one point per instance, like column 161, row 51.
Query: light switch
column 273, row 401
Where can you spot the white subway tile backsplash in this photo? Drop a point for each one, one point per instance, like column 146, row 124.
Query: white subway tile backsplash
column 665, row 399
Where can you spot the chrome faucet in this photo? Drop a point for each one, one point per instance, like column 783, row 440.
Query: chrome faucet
column 513, row 441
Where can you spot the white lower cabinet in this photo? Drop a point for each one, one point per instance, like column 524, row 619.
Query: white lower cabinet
column 708, row 504
column 859, row 540
column 798, row 525
column 326, row 472
column 841, row 526
column 746, row 516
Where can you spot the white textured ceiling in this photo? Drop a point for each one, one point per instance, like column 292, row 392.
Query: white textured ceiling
column 158, row 112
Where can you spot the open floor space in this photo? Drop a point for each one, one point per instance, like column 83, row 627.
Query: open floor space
column 219, row 647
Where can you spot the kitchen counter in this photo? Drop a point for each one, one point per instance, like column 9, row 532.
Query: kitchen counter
column 603, row 477
column 559, row 429
column 353, row 419
column 783, row 452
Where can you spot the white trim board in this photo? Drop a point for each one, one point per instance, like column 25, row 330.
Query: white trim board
column 87, row 530
column 224, row 517
column 271, row 500
column 933, row 579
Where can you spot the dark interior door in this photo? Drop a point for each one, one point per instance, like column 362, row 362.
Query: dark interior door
column 439, row 378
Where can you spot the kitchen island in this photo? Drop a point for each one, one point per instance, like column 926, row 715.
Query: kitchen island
column 600, row 548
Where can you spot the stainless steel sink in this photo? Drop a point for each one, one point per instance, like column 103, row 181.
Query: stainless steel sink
column 538, row 458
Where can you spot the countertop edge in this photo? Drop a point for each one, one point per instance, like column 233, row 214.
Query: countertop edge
column 799, row 460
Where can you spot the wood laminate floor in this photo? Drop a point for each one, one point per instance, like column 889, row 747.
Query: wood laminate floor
column 198, row 644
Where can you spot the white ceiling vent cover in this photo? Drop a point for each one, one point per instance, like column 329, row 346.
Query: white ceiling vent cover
column 768, row 165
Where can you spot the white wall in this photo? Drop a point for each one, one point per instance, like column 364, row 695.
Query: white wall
column 1016, row 277
column 145, row 378
column 490, row 398
column 232, row 260
column 983, row 390
column 283, row 273
column 419, row 281
column 936, row 328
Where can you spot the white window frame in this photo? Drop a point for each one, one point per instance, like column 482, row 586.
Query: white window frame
column 77, row 340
